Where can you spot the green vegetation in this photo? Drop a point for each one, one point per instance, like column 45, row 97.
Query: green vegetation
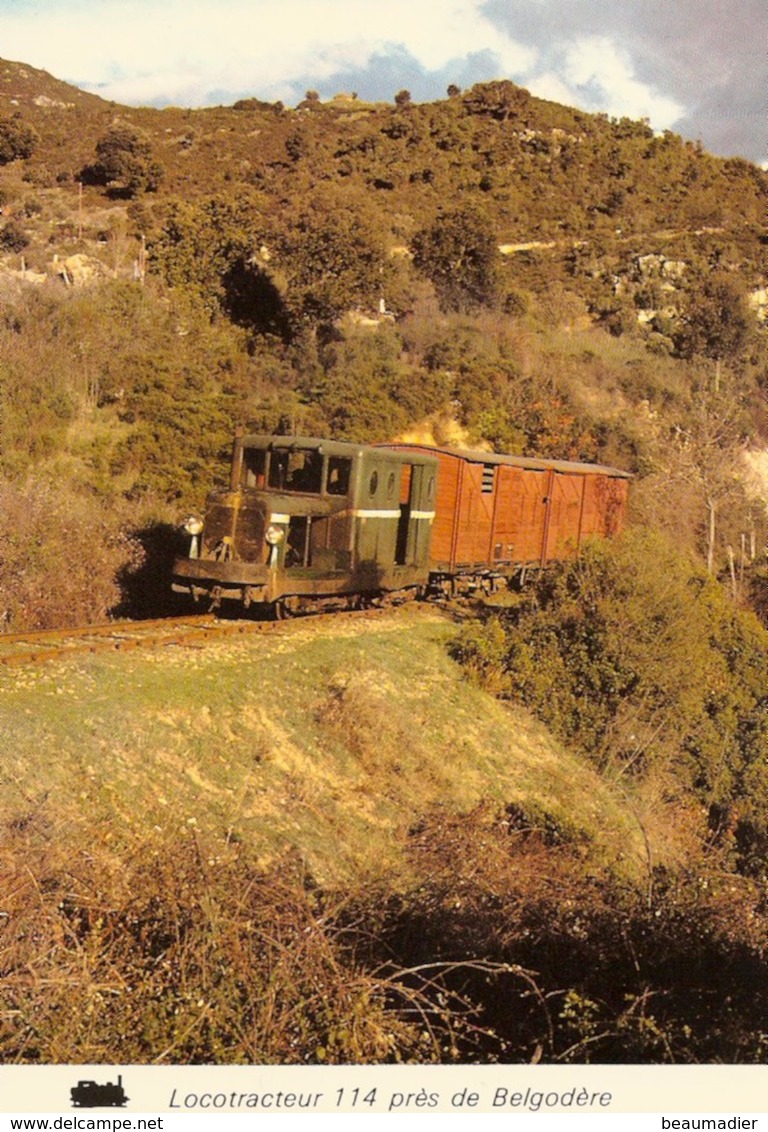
column 124, row 155
column 277, row 236
column 635, row 656
column 17, row 139
column 459, row 254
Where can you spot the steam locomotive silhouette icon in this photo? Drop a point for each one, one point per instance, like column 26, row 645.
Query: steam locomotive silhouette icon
column 89, row 1094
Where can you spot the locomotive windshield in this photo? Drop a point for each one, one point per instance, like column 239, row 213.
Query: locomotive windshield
column 254, row 467
column 296, row 469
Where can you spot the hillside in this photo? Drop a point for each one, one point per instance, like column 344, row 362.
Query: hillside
column 350, row 735
column 531, row 165
column 238, row 853
column 541, row 175
column 491, row 267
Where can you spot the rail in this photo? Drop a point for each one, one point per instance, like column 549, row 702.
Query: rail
column 39, row 646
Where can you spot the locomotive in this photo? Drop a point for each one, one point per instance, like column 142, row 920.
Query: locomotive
column 90, row 1094
column 306, row 523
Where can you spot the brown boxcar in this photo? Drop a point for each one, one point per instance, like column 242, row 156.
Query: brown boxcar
column 499, row 514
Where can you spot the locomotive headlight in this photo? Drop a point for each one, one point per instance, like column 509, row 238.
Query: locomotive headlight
column 274, row 535
column 193, row 525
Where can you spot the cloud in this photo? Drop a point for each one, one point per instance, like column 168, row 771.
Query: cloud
column 693, row 65
column 596, row 74
column 124, row 48
column 703, row 58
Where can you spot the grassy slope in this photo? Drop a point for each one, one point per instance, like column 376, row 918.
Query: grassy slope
column 329, row 740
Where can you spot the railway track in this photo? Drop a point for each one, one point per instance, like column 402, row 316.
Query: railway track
column 40, row 646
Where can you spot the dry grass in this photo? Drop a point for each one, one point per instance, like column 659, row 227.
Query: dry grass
column 178, row 956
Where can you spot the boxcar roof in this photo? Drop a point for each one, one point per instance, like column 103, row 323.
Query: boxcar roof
column 535, row 462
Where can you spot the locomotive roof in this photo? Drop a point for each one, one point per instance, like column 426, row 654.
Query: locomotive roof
column 535, row 462
column 329, row 447
column 335, row 447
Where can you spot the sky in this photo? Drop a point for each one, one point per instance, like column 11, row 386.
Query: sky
column 697, row 67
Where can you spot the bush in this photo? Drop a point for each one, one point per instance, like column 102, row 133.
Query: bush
column 13, row 238
column 124, row 155
column 640, row 659
column 578, row 967
column 185, row 954
column 459, row 254
column 17, row 140
column 59, row 557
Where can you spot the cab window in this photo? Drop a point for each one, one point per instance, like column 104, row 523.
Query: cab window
column 339, row 472
column 296, row 469
column 254, row 467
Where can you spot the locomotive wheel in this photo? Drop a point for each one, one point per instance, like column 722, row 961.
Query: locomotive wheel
column 285, row 608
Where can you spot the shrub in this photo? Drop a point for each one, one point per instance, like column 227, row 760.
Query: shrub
column 13, row 238
column 640, row 659
column 577, row 967
column 17, row 140
column 185, row 954
column 59, row 557
column 459, row 253
column 124, row 155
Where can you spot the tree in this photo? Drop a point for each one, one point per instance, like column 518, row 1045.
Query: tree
column 17, row 140
column 311, row 101
column 334, row 260
column 369, row 389
column 500, row 100
column 631, row 653
column 209, row 249
column 717, row 321
column 124, row 155
column 704, row 454
column 403, row 99
column 198, row 244
column 13, row 238
column 460, row 254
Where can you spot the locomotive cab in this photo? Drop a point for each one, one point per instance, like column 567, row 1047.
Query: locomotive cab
column 304, row 520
